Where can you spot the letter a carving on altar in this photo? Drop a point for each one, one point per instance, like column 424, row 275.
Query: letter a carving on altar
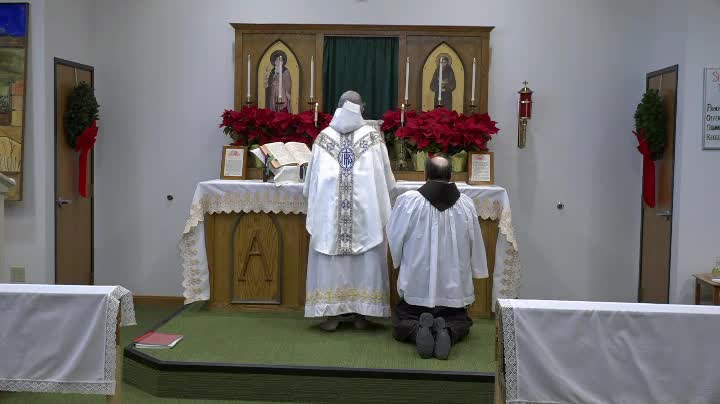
column 256, row 250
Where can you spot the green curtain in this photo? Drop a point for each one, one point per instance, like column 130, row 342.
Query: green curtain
column 366, row 65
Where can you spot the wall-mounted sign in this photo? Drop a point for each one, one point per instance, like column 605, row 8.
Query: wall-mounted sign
column 711, row 109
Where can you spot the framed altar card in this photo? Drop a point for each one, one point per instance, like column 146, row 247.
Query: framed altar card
column 480, row 168
column 234, row 162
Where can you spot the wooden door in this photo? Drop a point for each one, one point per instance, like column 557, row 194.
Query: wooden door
column 73, row 213
column 656, row 232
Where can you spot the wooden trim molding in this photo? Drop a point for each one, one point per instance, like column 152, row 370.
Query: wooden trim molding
column 358, row 29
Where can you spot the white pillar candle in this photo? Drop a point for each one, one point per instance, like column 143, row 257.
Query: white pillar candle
column 316, row 113
column 472, row 100
column 440, row 81
column 248, row 79
column 407, row 78
column 279, row 66
column 312, row 76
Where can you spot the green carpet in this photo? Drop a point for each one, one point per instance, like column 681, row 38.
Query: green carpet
column 147, row 317
column 290, row 339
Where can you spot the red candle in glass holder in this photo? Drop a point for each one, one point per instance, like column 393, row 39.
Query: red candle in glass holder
column 525, row 109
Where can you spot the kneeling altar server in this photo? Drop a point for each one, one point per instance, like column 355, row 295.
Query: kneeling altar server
column 348, row 186
column 435, row 239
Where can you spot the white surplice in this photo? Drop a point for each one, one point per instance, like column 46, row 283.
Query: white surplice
column 438, row 252
column 348, row 186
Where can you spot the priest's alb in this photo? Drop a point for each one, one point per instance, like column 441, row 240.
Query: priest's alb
column 435, row 239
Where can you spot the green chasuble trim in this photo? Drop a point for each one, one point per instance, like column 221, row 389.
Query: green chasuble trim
column 366, row 65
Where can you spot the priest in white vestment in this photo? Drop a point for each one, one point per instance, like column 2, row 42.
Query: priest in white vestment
column 435, row 239
column 348, row 186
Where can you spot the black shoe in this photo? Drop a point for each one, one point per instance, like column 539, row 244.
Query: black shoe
column 443, row 343
column 424, row 341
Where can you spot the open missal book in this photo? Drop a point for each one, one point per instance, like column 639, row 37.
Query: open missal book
column 287, row 154
column 156, row 340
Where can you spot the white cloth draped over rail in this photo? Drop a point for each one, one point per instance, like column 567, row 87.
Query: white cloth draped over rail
column 609, row 353
column 228, row 196
column 61, row 338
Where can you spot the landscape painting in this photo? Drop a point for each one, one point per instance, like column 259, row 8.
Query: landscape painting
column 13, row 58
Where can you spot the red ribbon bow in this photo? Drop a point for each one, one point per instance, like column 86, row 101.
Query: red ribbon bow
column 648, row 187
column 84, row 144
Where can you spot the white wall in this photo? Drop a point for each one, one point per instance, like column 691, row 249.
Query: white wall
column 165, row 72
column 64, row 29
column 696, row 224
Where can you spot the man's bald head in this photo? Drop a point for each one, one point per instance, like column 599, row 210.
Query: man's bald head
column 438, row 168
column 351, row 96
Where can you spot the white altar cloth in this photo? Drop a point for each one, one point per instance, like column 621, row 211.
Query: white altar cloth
column 60, row 338
column 624, row 353
column 227, row 196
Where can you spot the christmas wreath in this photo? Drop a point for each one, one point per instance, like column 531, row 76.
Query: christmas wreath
column 650, row 132
column 650, row 122
column 82, row 110
column 81, row 128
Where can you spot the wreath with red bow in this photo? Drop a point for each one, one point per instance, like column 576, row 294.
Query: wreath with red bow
column 81, row 127
column 650, row 119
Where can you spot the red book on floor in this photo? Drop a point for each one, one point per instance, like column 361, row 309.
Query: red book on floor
column 152, row 339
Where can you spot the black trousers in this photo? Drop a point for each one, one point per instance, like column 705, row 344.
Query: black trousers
column 405, row 321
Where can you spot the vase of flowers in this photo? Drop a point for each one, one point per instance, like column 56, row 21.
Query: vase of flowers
column 447, row 132
column 391, row 122
column 459, row 162
column 253, row 126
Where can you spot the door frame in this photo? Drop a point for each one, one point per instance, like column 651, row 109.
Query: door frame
column 62, row 62
column 648, row 77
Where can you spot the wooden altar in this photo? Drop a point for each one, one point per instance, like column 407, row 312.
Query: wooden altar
column 258, row 261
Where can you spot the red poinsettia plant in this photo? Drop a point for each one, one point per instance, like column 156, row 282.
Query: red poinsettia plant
column 252, row 125
column 442, row 130
column 392, row 121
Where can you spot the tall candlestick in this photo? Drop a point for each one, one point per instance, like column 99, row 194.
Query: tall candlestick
column 248, row 80
column 472, row 100
column 280, row 78
column 440, row 68
column 407, row 78
column 316, row 113
column 312, row 76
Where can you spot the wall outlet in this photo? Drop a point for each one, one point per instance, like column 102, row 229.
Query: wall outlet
column 17, row 275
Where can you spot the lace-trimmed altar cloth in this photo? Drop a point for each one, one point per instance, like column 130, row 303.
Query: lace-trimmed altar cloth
column 61, row 338
column 610, row 353
column 226, row 196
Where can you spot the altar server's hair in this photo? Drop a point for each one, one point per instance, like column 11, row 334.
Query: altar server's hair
column 438, row 168
column 353, row 97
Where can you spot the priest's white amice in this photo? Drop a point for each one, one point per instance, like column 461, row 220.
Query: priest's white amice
column 432, row 250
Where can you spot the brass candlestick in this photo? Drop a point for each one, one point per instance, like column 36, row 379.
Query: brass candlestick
column 472, row 108
column 314, row 107
column 248, row 101
column 402, row 163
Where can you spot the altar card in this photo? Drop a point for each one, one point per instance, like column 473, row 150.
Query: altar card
column 480, row 168
column 234, row 162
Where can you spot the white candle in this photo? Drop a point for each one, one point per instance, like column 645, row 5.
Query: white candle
column 402, row 117
column 312, row 76
column 248, row 80
column 407, row 78
column 280, row 78
column 472, row 99
column 440, row 68
column 316, row 113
